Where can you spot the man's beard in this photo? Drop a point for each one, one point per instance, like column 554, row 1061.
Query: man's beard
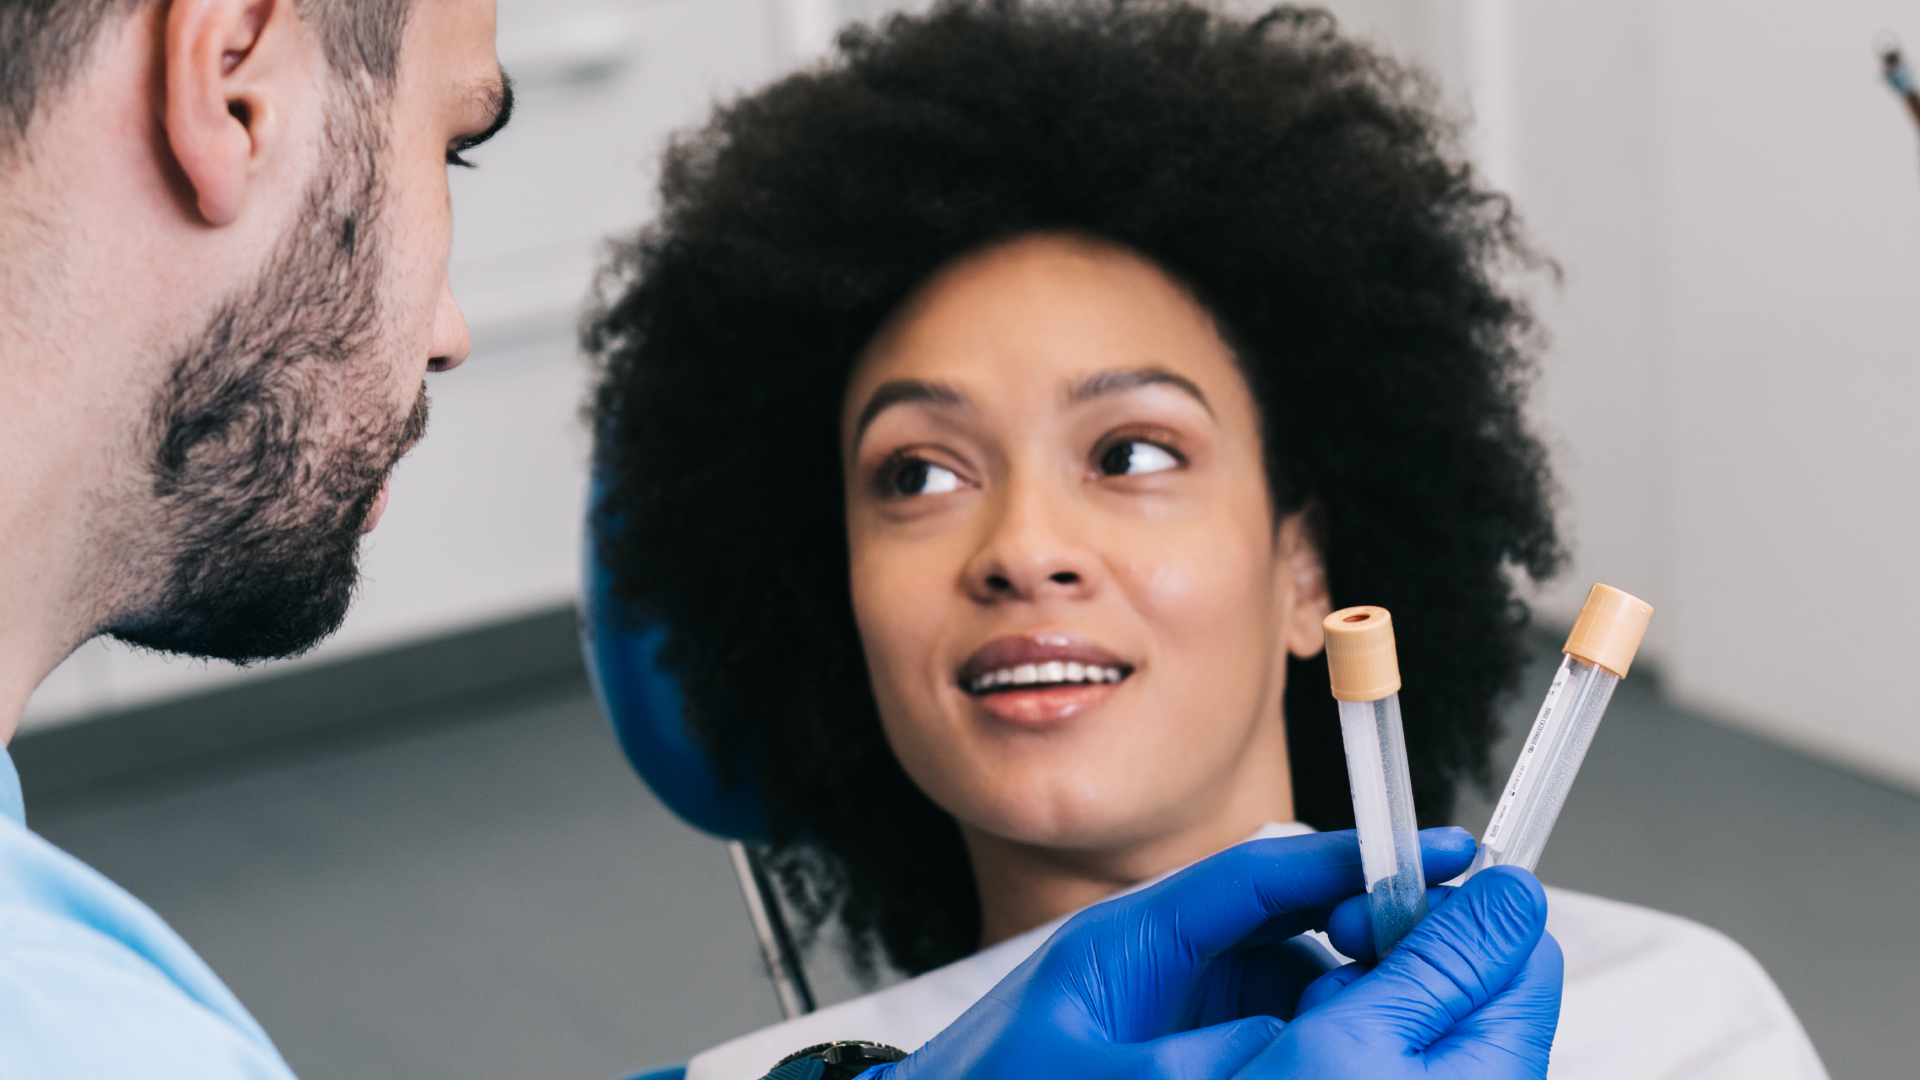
column 275, row 436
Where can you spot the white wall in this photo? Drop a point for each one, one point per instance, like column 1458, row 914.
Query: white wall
column 1736, row 200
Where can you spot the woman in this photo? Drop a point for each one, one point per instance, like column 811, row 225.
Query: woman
column 995, row 413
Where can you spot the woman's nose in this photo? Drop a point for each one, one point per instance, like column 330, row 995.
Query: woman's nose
column 1032, row 553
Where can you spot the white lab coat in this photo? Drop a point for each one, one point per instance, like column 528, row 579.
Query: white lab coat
column 1649, row 996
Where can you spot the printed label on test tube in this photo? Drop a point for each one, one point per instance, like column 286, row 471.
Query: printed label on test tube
column 1598, row 653
column 1365, row 674
column 1539, row 739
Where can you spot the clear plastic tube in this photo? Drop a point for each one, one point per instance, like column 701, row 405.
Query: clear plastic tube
column 1555, row 747
column 1383, row 816
column 1598, row 653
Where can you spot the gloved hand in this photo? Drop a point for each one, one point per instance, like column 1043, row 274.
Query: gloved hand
column 1186, row 979
column 1472, row 993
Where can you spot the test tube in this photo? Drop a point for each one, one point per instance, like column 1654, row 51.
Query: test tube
column 1598, row 653
column 1365, row 672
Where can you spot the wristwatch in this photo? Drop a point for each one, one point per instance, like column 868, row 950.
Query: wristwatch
column 841, row 1060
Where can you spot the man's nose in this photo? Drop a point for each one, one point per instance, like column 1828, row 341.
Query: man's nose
column 451, row 340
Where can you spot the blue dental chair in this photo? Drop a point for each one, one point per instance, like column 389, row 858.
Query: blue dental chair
column 643, row 705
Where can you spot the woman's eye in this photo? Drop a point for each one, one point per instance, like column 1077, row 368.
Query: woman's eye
column 1135, row 459
column 917, row 477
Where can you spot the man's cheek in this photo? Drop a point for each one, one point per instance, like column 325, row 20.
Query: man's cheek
column 409, row 302
column 422, row 245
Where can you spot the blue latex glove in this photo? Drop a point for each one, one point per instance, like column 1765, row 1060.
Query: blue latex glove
column 1472, row 993
column 1187, row 979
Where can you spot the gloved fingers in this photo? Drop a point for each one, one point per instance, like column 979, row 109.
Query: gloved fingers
column 1327, row 986
column 1362, row 1032
column 1164, row 953
column 1446, row 852
column 1219, row 901
column 1212, row 1053
column 1350, row 926
column 1457, row 959
column 1512, row 1035
column 1282, row 930
column 1272, row 977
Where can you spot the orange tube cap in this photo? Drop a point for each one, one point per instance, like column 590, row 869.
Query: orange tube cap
column 1609, row 629
column 1361, row 659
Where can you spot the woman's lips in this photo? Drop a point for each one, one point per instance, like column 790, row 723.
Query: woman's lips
column 1045, row 704
column 1041, row 678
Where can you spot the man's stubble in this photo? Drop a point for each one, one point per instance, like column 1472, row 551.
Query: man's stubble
column 274, row 434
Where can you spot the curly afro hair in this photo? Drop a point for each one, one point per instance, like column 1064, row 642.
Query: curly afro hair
column 1298, row 183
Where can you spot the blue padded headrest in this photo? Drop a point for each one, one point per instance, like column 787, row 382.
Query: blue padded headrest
column 643, row 704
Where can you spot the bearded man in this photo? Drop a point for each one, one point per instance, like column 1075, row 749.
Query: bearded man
column 225, row 227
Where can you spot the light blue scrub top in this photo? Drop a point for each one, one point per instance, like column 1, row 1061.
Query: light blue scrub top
column 94, row 985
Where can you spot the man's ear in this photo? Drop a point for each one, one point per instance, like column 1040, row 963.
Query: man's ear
column 220, row 117
column 1300, row 560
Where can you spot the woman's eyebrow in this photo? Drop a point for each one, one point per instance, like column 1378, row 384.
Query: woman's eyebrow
column 900, row 392
column 1103, row 383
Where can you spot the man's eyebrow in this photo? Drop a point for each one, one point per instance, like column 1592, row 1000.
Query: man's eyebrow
column 1103, row 383
column 903, row 391
column 497, row 95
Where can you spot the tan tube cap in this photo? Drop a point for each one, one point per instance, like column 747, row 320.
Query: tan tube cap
column 1609, row 629
column 1360, row 655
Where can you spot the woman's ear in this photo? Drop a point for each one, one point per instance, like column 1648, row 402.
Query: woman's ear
column 219, row 110
column 1302, row 566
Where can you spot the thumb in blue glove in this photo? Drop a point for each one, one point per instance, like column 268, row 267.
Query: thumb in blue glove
column 1121, row 988
column 1472, row 992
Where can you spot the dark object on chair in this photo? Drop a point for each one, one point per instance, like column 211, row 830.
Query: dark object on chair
column 834, row 1061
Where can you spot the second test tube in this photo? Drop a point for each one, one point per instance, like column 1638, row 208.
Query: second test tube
column 1365, row 672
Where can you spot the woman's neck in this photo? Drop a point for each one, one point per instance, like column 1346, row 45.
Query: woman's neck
column 1027, row 885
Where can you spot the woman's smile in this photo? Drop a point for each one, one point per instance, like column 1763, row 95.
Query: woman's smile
column 1041, row 678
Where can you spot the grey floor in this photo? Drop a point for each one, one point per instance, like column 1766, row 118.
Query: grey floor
column 494, row 895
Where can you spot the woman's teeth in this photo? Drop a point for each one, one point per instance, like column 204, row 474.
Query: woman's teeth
column 1050, row 673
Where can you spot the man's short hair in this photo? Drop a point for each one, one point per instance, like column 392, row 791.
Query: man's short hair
column 43, row 43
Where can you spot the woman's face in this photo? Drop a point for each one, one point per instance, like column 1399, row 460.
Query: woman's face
column 1074, row 597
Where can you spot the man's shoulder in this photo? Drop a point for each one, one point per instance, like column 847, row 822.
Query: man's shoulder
column 93, row 983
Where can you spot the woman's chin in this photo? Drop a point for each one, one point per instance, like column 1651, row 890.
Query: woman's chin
column 1055, row 814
